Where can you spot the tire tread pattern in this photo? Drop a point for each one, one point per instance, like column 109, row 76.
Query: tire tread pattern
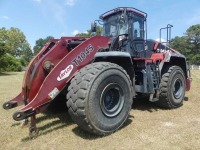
column 78, row 89
column 164, row 101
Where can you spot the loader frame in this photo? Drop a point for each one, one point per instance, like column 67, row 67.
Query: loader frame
column 143, row 61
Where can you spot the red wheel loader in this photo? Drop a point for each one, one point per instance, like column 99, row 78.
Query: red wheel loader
column 102, row 74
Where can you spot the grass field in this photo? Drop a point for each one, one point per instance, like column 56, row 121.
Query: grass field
column 148, row 126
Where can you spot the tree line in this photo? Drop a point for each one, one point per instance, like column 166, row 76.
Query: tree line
column 189, row 44
column 16, row 53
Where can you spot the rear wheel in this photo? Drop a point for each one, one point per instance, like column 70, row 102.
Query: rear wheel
column 100, row 97
column 172, row 88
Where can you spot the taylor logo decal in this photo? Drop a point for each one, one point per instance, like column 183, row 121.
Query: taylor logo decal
column 65, row 73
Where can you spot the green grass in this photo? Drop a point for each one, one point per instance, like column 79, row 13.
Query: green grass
column 148, row 126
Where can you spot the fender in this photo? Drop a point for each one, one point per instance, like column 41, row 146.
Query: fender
column 111, row 56
column 177, row 59
column 123, row 59
column 173, row 59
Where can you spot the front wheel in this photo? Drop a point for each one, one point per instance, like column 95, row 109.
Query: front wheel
column 100, row 97
column 172, row 88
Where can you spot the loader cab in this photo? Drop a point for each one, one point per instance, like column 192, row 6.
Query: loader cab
column 126, row 27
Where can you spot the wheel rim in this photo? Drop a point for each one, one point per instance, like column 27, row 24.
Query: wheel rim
column 178, row 88
column 112, row 100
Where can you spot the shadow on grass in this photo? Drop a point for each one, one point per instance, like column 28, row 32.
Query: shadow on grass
column 15, row 124
column 56, row 111
column 141, row 103
column 186, row 98
column 144, row 104
column 7, row 73
column 59, row 111
column 62, row 120
column 89, row 136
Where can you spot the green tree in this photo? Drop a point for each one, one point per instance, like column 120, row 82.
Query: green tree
column 196, row 59
column 15, row 41
column 193, row 34
column 3, row 40
column 28, row 54
column 40, row 43
column 181, row 44
column 3, row 49
column 14, row 49
column 10, row 63
column 189, row 44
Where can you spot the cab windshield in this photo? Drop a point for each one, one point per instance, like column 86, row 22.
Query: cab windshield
column 114, row 26
column 119, row 24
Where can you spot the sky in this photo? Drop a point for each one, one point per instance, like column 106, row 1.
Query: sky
column 57, row 18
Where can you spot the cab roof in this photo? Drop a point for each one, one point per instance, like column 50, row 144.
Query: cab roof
column 121, row 9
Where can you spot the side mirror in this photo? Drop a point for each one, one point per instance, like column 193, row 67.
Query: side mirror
column 94, row 27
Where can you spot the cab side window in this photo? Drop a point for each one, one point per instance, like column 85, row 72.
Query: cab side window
column 136, row 30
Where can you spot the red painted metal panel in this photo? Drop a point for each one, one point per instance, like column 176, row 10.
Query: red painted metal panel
column 65, row 70
column 188, row 83
column 157, row 57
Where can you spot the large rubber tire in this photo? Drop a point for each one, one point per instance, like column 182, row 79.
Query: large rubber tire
column 99, row 97
column 172, row 88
